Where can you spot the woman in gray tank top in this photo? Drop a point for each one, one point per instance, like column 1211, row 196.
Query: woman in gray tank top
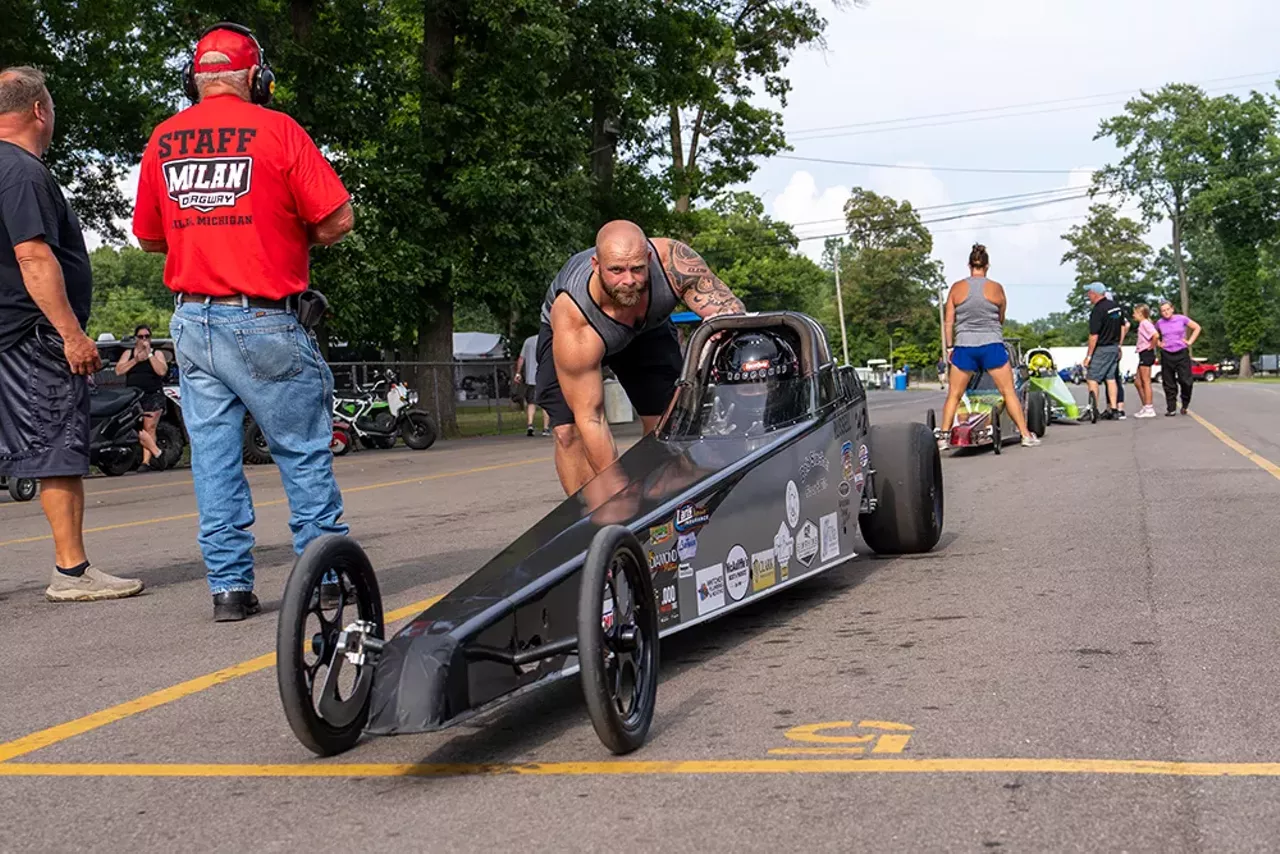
column 973, row 335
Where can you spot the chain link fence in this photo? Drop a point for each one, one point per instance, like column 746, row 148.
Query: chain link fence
column 484, row 393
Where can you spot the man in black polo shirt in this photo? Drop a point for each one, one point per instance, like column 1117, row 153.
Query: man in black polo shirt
column 45, row 356
column 1107, row 327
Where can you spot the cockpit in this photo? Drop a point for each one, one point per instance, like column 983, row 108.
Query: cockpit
column 750, row 378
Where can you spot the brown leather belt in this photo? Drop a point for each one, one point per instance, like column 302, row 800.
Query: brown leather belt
column 243, row 301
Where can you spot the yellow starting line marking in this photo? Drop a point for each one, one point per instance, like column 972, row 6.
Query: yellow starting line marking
column 46, row 737
column 657, row 768
column 278, row 501
column 1255, row 458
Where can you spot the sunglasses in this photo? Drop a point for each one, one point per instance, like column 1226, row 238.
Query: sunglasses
column 144, row 337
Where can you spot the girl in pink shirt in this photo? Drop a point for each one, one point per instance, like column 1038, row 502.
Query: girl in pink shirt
column 1148, row 340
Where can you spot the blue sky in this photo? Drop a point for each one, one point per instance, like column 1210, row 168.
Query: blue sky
column 904, row 58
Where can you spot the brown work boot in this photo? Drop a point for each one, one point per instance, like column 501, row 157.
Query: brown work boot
column 90, row 587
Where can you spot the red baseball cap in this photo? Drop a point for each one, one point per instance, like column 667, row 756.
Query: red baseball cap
column 240, row 49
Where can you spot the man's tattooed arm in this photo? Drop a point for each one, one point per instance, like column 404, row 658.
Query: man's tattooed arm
column 694, row 282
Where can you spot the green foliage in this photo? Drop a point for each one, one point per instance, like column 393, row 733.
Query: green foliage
column 104, row 63
column 756, row 256
column 1108, row 248
column 128, row 290
column 888, row 281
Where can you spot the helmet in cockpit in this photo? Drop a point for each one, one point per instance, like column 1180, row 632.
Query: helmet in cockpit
column 756, row 382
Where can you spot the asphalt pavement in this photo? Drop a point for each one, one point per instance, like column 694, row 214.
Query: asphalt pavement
column 1085, row 662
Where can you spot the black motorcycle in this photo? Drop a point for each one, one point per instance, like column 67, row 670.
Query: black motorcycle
column 114, row 416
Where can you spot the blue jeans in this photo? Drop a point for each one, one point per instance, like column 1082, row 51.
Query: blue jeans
column 231, row 359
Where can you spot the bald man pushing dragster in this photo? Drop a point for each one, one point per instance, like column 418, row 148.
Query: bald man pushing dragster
column 611, row 305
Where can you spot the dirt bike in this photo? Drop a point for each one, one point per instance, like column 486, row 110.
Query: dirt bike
column 375, row 420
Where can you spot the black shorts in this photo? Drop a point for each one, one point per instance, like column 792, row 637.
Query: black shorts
column 1147, row 357
column 44, row 410
column 648, row 368
column 154, row 401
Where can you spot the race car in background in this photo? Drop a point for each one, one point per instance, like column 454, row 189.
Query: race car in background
column 982, row 419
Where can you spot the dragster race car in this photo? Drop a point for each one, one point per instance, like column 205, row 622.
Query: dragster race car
column 750, row 484
column 982, row 418
column 1043, row 376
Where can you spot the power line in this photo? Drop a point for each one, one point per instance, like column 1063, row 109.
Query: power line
column 1058, row 194
column 929, row 168
column 976, row 111
column 925, row 125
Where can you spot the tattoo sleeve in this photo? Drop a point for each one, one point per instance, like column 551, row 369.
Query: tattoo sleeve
column 700, row 289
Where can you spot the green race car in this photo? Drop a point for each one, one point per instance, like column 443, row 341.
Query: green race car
column 1042, row 374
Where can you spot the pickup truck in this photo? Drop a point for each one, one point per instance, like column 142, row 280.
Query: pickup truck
column 1201, row 369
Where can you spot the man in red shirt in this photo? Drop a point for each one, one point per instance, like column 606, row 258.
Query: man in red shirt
column 236, row 195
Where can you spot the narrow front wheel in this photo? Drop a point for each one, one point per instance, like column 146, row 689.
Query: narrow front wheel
column 618, row 639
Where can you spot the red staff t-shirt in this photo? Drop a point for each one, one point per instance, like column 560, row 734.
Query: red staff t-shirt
column 231, row 186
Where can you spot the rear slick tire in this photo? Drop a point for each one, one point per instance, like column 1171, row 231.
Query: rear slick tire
column 907, row 483
column 1037, row 413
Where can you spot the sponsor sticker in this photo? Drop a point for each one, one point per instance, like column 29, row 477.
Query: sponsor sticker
column 846, row 459
column 737, row 573
column 844, row 489
column 691, row 517
column 813, row 461
column 660, row 533
column 863, row 456
column 793, row 504
column 764, row 570
column 756, row 365
column 830, row 537
column 842, row 423
column 686, row 571
column 668, row 604
column 663, row 565
column 858, row 479
column 807, row 542
column 710, row 586
column 846, row 513
column 687, row 546
column 782, row 543
column 817, row 487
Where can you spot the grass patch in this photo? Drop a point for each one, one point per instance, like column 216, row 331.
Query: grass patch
column 478, row 421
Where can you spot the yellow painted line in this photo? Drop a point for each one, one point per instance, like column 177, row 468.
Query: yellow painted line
column 1257, row 459
column 658, row 768
column 278, row 501
column 46, row 737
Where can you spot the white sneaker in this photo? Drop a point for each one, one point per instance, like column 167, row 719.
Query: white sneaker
column 1030, row 441
column 1146, row 412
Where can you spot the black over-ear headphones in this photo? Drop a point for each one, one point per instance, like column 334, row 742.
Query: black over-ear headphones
column 262, row 85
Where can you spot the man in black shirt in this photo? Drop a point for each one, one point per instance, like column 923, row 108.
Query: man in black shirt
column 45, row 355
column 1107, row 327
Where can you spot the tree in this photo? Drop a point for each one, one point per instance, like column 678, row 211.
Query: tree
column 128, row 290
column 756, row 256
column 713, row 59
column 888, row 281
column 105, row 65
column 1242, row 202
column 1108, row 248
column 1163, row 136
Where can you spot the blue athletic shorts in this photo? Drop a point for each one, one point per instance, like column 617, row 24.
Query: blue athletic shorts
column 984, row 358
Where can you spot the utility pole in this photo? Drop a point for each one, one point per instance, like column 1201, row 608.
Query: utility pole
column 844, row 337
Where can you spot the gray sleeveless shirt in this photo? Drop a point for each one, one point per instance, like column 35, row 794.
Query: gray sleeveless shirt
column 574, row 278
column 977, row 318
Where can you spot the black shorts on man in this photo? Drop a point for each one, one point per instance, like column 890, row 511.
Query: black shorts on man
column 44, row 410
column 647, row 368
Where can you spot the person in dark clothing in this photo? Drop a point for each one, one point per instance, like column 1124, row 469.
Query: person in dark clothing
column 1107, row 328
column 45, row 356
column 1175, row 356
column 144, row 368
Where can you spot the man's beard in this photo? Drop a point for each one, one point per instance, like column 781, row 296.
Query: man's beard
column 625, row 297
